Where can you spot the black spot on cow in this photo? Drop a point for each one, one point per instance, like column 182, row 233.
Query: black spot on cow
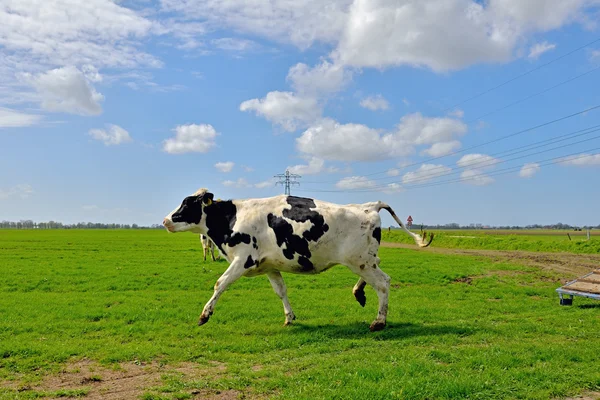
column 220, row 219
column 249, row 263
column 284, row 232
column 377, row 234
column 254, row 244
column 305, row 264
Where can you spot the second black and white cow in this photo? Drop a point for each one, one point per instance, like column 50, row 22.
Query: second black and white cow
column 290, row 234
column 208, row 247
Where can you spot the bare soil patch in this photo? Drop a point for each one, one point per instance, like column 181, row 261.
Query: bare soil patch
column 128, row 380
column 569, row 264
column 586, row 396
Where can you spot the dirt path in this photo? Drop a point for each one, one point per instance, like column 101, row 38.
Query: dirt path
column 569, row 264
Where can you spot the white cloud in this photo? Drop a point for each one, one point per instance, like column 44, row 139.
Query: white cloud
column 442, row 148
column 46, row 34
column 66, row 90
column 393, row 188
column 236, row 45
column 529, row 170
column 264, row 184
column 300, row 22
column 393, row 172
column 324, row 78
column 191, row 138
column 540, row 48
column 418, row 129
column 315, row 166
column 477, row 161
column 581, row 160
column 285, row 109
column 240, row 183
column 446, row 34
column 247, row 168
column 424, row 173
column 14, row 119
column 113, row 135
column 331, row 140
column 375, row 103
column 226, row 166
column 22, row 191
column 458, row 113
column 355, row 182
column 475, row 177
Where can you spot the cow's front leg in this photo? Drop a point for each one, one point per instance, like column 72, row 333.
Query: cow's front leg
column 212, row 252
column 279, row 286
column 232, row 274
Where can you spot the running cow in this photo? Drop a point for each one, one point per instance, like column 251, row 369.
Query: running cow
column 290, row 234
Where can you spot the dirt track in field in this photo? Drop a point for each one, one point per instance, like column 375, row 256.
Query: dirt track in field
column 128, row 381
column 569, row 264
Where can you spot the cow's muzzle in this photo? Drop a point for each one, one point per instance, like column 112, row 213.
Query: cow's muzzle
column 169, row 225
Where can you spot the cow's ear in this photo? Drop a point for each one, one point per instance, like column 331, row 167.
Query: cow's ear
column 208, row 198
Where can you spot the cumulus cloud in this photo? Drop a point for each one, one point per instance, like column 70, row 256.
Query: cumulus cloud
column 393, row 172
column 240, row 183
column 314, row 166
column 15, row 119
column 477, row 161
column 112, row 135
column 581, row 160
column 355, row 182
column 374, row 103
column 22, row 191
column 191, row 138
column 528, row 170
column 392, row 188
column 285, row 109
column 226, row 166
column 323, row 78
column 442, row 148
column 540, row 48
column 475, row 177
column 424, row 173
column 237, row 45
column 67, row 90
column 331, row 140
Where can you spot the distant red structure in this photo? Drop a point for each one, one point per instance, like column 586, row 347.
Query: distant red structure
column 409, row 221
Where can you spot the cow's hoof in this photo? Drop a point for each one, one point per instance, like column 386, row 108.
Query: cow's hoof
column 360, row 297
column 203, row 319
column 377, row 326
column 288, row 319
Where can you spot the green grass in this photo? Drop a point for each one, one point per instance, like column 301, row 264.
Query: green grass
column 502, row 240
column 120, row 296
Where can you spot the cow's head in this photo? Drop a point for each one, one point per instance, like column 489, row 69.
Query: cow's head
column 190, row 216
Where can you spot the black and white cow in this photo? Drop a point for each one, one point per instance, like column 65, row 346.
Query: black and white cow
column 208, row 246
column 290, row 234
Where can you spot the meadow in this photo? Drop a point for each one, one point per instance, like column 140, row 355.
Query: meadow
column 95, row 303
column 492, row 239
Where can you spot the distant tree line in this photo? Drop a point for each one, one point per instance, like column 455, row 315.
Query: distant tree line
column 515, row 227
column 29, row 224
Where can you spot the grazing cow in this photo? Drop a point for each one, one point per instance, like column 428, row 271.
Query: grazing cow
column 208, row 245
column 290, row 234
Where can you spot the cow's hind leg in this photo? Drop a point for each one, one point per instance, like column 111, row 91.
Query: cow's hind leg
column 380, row 281
column 212, row 251
column 232, row 274
column 279, row 286
column 359, row 292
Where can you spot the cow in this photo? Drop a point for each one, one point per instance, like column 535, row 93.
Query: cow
column 208, row 246
column 290, row 234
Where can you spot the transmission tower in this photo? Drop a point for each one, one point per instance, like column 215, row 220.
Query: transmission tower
column 288, row 179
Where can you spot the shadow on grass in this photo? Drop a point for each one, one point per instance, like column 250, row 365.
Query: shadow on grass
column 393, row 331
column 597, row 305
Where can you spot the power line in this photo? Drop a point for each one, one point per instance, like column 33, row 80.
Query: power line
column 504, row 171
column 287, row 179
column 484, row 143
column 516, row 150
column 521, row 75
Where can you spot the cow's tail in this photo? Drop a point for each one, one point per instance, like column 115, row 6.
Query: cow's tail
column 421, row 239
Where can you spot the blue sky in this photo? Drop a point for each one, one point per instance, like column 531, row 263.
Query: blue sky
column 115, row 111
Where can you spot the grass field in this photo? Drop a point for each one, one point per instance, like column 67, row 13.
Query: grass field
column 458, row 326
column 527, row 240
